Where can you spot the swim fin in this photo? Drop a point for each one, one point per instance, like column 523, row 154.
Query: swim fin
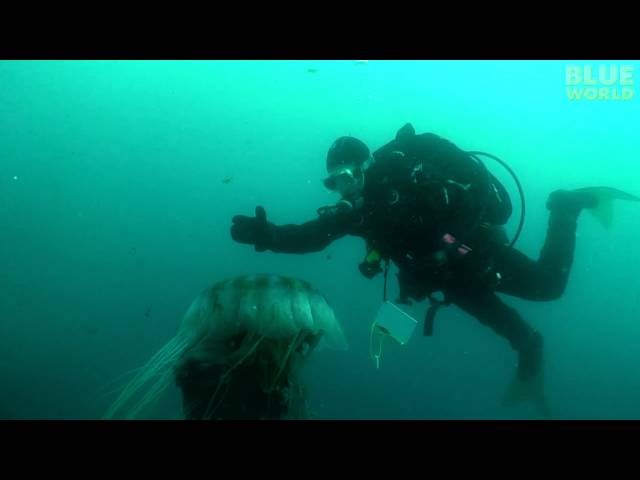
column 597, row 200
column 603, row 211
column 531, row 390
column 608, row 192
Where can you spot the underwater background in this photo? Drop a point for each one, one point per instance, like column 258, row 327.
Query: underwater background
column 118, row 181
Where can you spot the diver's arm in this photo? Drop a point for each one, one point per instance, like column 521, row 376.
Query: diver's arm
column 311, row 236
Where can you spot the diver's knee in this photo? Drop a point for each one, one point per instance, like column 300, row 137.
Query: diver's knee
column 549, row 287
column 554, row 289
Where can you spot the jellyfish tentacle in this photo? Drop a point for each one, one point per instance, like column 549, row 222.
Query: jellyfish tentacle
column 226, row 375
column 281, row 321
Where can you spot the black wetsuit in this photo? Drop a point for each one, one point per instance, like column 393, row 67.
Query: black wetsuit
column 422, row 187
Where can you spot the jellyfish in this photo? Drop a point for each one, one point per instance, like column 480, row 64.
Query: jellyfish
column 239, row 352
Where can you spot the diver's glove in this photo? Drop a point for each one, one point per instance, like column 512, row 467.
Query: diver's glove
column 253, row 230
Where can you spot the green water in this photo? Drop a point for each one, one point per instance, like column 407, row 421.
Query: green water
column 118, row 180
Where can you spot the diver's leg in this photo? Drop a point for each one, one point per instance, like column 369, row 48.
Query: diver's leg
column 556, row 256
column 528, row 383
column 490, row 310
column 547, row 278
column 525, row 278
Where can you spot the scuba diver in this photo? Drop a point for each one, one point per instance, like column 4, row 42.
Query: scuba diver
column 438, row 214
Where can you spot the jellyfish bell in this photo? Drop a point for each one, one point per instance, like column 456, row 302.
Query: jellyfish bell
column 240, row 350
